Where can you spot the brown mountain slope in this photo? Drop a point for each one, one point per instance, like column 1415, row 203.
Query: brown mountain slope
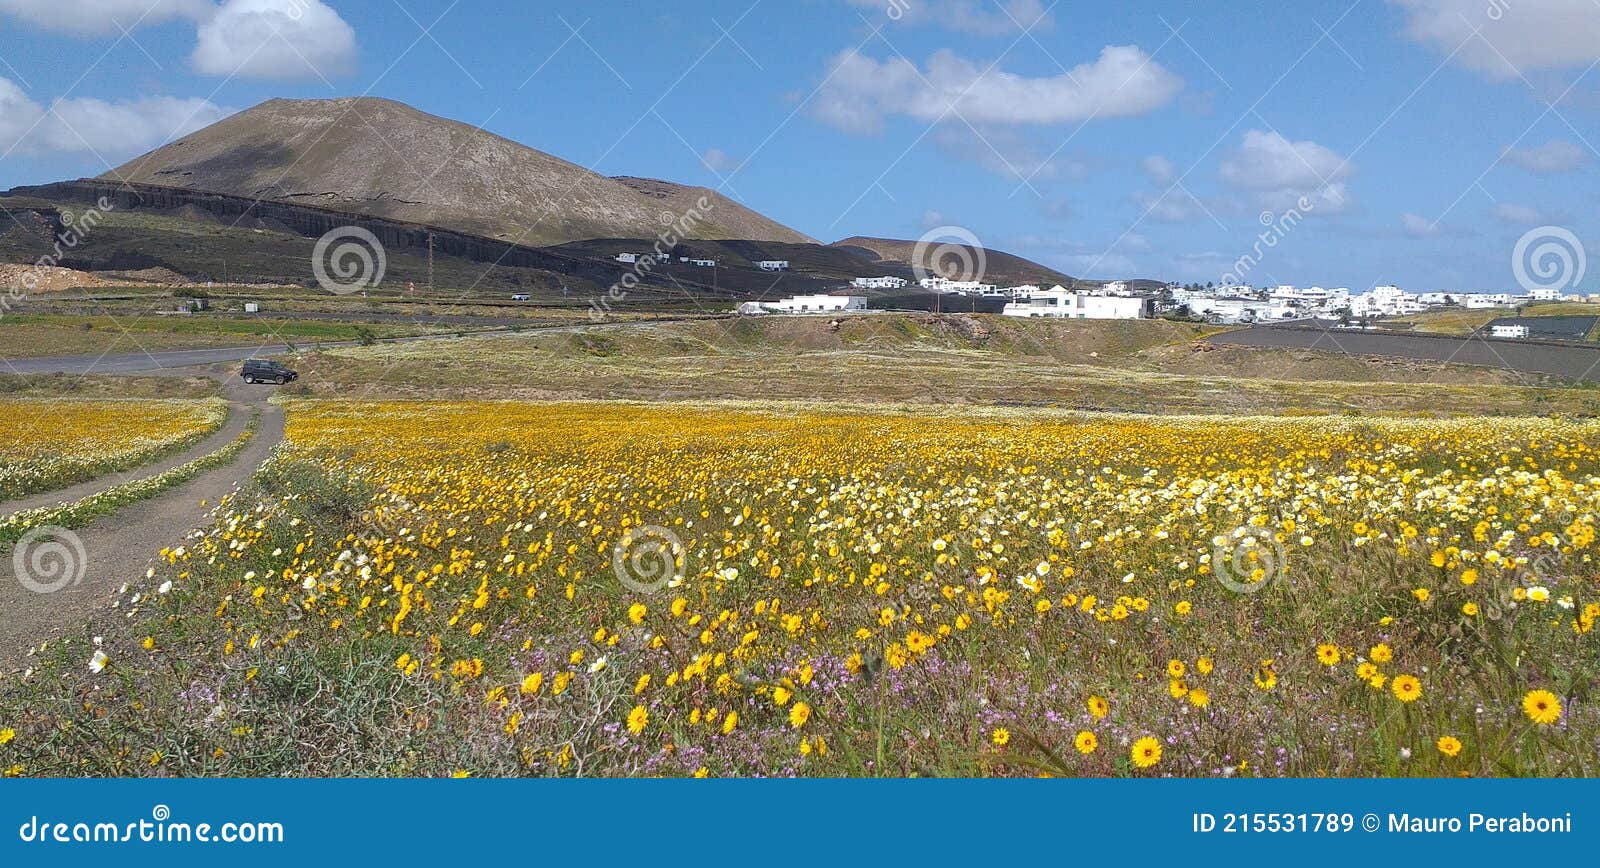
column 726, row 219
column 999, row 267
column 383, row 158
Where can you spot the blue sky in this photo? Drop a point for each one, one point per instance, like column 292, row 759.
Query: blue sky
column 1414, row 141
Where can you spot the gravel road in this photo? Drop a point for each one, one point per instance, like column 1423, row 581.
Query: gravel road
column 118, row 548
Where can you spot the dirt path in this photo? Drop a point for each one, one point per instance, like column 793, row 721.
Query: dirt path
column 238, row 418
column 119, row 548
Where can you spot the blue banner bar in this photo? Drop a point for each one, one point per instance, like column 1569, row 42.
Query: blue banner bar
column 788, row 822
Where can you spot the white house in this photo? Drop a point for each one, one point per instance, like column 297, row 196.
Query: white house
column 1482, row 300
column 773, row 265
column 629, row 258
column 1508, row 331
column 1545, row 294
column 1064, row 304
column 879, row 282
column 1223, row 309
column 1301, row 302
column 1385, row 301
column 818, row 304
column 1434, row 299
column 962, row 287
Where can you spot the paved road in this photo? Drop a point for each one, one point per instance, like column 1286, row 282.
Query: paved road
column 1570, row 361
column 175, row 360
column 137, row 363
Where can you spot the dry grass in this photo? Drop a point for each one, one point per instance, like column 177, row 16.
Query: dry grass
column 1459, row 321
column 1145, row 367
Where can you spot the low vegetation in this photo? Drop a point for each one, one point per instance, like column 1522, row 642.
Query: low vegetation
column 84, row 510
column 15, row 386
column 47, row 444
column 1149, row 366
column 1462, row 321
column 648, row 589
column 39, row 335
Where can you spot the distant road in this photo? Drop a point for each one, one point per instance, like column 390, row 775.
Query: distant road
column 1570, row 361
column 140, row 363
column 135, row 363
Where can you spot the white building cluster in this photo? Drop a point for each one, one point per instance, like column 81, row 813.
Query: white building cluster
column 879, row 283
column 805, row 304
column 1061, row 303
column 1112, row 301
column 1243, row 303
column 634, row 258
column 958, row 287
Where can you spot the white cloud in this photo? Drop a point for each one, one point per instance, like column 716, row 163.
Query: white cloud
column 1159, row 168
column 1005, row 153
column 1135, row 242
column 718, row 161
column 1507, row 38
column 1332, row 199
column 1551, row 157
column 112, row 131
column 270, row 39
column 103, row 17
column 1268, row 161
column 861, row 91
column 275, row 39
column 1173, row 205
column 1417, row 226
column 978, row 17
column 1284, row 173
column 1518, row 213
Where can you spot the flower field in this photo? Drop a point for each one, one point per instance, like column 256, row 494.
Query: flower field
column 48, row 444
column 609, row 589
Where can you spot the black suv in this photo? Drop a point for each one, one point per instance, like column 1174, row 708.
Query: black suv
column 263, row 371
